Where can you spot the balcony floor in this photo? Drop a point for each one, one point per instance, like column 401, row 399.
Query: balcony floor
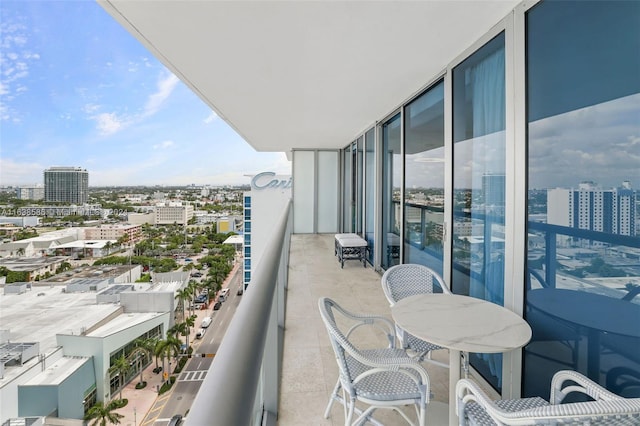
column 309, row 370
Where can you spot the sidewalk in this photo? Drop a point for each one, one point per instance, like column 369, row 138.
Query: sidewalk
column 142, row 400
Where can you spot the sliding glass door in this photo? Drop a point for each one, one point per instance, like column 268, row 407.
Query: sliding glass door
column 424, row 179
column 391, row 187
column 479, row 184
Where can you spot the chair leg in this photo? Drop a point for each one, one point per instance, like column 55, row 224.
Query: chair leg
column 334, row 396
column 348, row 415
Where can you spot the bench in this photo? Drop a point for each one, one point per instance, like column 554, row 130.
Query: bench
column 350, row 246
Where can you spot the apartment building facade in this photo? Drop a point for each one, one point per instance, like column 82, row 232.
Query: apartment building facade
column 66, row 185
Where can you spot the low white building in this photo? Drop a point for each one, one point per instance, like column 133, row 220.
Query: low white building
column 68, row 345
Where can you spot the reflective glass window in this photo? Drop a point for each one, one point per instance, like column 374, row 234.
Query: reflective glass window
column 479, row 184
column 582, row 285
column 424, row 179
column 392, row 185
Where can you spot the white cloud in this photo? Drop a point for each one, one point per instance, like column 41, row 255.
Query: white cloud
column 211, row 118
column 15, row 65
column 156, row 100
column 109, row 123
column 163, row 145
column 16, row 173
column 91, row 108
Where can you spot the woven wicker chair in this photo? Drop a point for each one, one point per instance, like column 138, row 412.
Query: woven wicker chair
column 475, row 408
column 381, row 378
column 406, row 280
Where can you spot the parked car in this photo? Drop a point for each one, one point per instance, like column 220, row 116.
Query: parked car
column 200, row 333
column 217, row 305
column 206, row 321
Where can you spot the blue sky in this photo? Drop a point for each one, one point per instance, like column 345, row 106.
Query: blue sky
column 76, row 89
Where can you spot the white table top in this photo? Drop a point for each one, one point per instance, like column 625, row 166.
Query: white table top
column 461, row 323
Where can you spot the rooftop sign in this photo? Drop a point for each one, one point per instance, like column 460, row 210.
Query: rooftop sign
column 269, row 180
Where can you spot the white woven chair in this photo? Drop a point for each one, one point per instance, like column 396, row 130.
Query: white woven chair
column 475, row 408
column 381, row 378
column 406, row 280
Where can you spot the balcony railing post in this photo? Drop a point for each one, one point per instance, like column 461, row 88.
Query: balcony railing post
column 550, row 258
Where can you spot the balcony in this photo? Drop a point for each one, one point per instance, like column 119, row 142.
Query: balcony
column 309, row 370
column 276, row 356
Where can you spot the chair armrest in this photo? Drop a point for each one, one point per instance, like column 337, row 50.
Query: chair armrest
column 468, row 391
column 560, row 388
column 383, row 324
column 591, row 412
column 405, row 365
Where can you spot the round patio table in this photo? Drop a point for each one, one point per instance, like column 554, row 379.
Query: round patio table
column 461, row 324
column 592, row 313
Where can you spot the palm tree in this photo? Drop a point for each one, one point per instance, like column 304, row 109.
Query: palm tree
column 101, row 414
column 121, row 367
column 144, row 348
column 183, row 295
column 190, row 322
column 167, row 348
column 194, row 288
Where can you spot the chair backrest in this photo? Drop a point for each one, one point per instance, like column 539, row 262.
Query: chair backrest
column 339, row 341
column 409, row 279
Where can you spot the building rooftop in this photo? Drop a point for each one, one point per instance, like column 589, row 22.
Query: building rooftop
column 58, row 372
column 87, row 271
column 123, row 322
column 30, row 263
column 80, row 244
column 41, row 313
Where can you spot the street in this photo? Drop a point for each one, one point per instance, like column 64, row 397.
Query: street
column 189, row 380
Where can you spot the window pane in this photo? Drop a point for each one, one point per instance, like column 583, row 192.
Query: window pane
column 358, row 185
column 392, row 181
column 304, row 172
column 369, row 187
column 583, row 263
column 479, row 184
column 327, row 204
column 424, row 179
column 347, row 205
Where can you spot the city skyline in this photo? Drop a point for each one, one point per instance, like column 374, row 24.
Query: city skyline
column 77, row 90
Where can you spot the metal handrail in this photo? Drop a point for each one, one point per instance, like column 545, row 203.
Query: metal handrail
column 231, row 385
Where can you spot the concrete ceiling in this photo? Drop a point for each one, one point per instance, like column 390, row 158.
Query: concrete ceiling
column 305, row 74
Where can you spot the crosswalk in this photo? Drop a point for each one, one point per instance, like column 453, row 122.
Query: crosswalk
column 192, row 376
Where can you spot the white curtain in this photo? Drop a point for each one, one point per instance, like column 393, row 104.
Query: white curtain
column 487, row 80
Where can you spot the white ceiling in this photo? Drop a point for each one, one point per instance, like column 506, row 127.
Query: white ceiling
column 305, row 74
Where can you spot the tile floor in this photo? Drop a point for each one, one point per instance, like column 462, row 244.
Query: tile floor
column 309, row 368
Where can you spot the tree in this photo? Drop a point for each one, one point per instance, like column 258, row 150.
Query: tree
column 121, row 367
column 183, row 295
column 138, row 355
column 167, row 348
column 103, row 414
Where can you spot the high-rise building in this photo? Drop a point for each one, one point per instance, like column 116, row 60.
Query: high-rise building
column 66, row 185
column 590, row 207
